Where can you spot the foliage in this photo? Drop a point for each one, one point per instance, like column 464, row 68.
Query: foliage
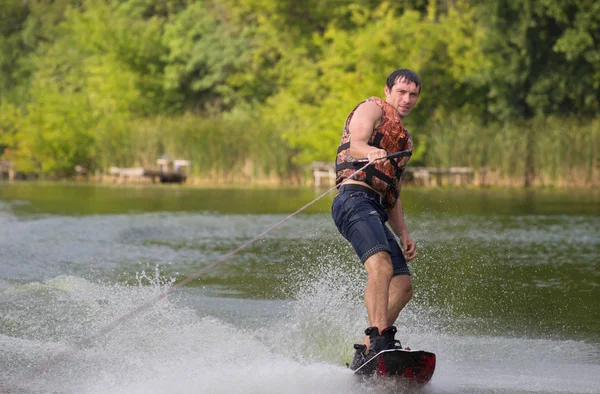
column 320, row 94
column 229, row 148
column 563, row 148
column 546, row 57
column 225, row 83
column 203, row 52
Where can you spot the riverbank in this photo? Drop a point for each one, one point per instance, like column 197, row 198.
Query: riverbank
column 434, row 178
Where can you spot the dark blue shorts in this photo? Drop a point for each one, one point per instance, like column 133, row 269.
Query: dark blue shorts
column 361, row 219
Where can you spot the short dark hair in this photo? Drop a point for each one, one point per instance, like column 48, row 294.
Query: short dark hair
column 406, row 74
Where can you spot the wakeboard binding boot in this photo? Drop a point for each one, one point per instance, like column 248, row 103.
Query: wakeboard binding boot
column 378, row 342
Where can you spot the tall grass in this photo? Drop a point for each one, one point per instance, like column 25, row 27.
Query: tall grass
column 233, row 148
column 550, row 151
column 240, row 148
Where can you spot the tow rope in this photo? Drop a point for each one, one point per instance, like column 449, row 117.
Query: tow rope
column 41, row 369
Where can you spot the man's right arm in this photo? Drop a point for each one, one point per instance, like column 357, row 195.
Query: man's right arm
column 365, row 119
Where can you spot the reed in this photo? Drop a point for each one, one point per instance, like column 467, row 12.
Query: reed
column 233, row 148
column 238, row 148
column 549, row 151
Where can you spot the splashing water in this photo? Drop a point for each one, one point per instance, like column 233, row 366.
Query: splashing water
column 300, row 346
column 205, row 341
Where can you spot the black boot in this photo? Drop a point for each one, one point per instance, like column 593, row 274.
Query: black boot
column 359, row 356
column 378, row 343
column 389, row 333
column 381, row 342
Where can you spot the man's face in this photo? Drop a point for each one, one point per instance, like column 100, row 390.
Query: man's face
column 403, row 96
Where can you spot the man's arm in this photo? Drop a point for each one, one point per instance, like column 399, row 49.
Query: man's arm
column 365, row 119
column 398, row 225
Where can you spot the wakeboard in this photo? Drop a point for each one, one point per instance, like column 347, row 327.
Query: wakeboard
column 416, row 365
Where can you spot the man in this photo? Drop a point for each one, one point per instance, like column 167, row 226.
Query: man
column 368, row 199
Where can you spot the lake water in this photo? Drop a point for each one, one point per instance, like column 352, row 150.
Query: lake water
column 507, row 291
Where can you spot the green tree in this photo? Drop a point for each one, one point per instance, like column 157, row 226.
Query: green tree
column 545, row 55
column 204, row 51
column 13, row 14
column 353, row 66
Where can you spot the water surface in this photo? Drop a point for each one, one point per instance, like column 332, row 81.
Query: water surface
column 507, row 285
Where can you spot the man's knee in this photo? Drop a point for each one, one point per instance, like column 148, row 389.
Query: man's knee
column 379, row 265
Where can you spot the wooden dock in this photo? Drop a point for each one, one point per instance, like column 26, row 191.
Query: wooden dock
column 141, row 174
column 324, row 174
column 432, row 176
column 166, row 171
column 323, row 170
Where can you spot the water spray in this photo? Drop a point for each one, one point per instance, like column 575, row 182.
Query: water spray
column 86, row 342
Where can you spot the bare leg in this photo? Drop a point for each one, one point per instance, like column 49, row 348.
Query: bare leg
column 399, row 294
column 379, row 268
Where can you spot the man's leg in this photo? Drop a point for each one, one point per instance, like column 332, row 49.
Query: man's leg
column 399, row 294
column 379, row 269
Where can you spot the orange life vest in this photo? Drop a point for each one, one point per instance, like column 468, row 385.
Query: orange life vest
column 384, row 175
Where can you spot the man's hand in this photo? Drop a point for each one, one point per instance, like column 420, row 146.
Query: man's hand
column 376, row 154
column 409, row 246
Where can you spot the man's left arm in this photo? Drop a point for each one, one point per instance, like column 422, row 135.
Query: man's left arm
column 398, row 225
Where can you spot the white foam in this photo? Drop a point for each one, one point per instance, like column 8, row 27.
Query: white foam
column 296, row 346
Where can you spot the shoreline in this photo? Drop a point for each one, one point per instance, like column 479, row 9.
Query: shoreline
column 253, row 185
